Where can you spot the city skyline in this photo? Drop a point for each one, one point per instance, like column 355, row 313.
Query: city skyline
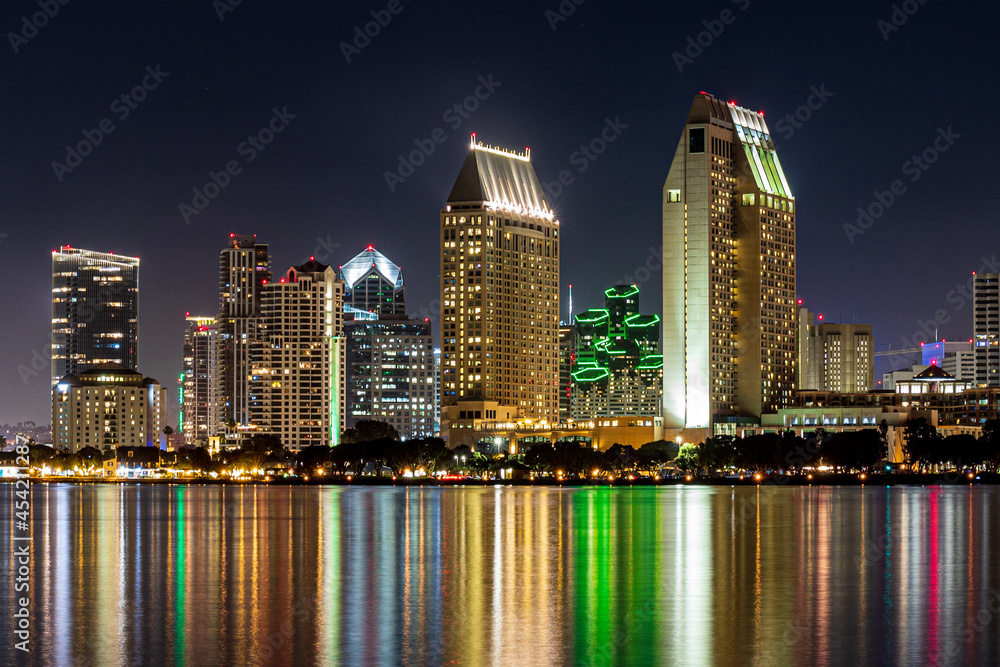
column 125, row 195
column 352, row 413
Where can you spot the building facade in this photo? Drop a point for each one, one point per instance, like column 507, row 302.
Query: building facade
column 567, row 361
column 488, row 427
column 728, row 271
column 391, row 374
column 244, row 270
column 373, row 284
column 297, row 370
column 618, row 371
column 986, row 328
column 957, row 358
column 836, row 357
column 500, row 286
column 107, row 406
column 198, row 386
column 95, row 310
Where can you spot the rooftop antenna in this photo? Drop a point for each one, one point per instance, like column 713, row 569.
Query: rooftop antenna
column 571, row 304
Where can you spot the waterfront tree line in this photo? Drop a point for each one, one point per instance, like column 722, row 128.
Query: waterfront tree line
column 374, row 448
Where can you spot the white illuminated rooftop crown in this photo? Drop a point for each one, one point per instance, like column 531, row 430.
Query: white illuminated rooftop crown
column 501, row 180
column 370, row 258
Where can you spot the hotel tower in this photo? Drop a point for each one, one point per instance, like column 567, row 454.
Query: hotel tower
column 729, row 314
column 500, row 287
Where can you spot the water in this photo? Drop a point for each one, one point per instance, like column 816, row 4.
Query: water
column 207, row 575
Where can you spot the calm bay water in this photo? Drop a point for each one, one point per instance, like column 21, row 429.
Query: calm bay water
column 207, row 575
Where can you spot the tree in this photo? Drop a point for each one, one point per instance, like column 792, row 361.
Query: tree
column 168, row 430
column 314, row 456
column 571, row 458
column 90, row 456
column 457, row 459
column 759, row 452
column 432, row 454
column 858, row 450
column 718, row 453
column 479, row 463
column 989, row 443
column 962, row 449
column 921, row 437
column 368, row 430
column 40, row 454
column 655, row 454
column 193, row 458
column 883, row 437
column 619, row 458
column 688, row 458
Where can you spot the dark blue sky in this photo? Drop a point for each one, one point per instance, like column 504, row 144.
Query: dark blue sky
column 322, row 179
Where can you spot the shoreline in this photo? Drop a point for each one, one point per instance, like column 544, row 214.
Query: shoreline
column 896, row 479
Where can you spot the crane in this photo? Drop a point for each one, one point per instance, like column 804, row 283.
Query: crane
column 892, row 353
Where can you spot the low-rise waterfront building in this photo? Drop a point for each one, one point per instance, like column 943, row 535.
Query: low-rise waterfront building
column 107, row 406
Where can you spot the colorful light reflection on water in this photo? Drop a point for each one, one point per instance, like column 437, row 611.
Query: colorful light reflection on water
column 197, row 575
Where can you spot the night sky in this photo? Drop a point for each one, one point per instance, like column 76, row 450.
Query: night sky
column 320, row 188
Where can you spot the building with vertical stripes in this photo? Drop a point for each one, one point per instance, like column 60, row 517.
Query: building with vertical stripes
column 729, row 308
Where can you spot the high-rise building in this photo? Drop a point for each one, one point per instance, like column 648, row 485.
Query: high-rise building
column 198, row 391
column 107, row 406
column 955, row 357
column 244, row 269
column 95, row 310
column 567, row 359
column 297, row 374
column 373, row 284
column 500, row 287
column 391, row 374
column 437, row 392
column 728, row 271
column 986, row 328
column 837, row 357
column 618, row 371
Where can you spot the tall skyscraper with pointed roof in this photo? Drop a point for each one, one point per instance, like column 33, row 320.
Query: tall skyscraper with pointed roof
column 373, row 284
column 728, row 272
column 500, row 286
